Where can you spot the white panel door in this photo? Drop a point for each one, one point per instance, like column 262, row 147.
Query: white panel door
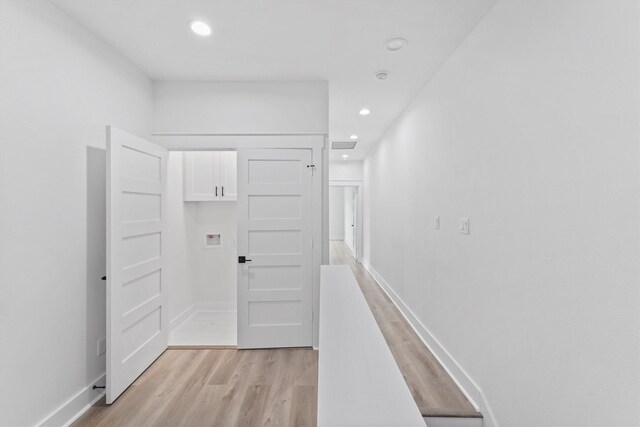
column 354, row 222
column 274, row 234
column 137, row 329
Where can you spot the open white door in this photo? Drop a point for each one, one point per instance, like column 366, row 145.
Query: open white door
column 275, row 236
column 137, row 329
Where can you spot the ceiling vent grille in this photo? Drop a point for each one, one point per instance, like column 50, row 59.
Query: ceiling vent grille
column 346, row 145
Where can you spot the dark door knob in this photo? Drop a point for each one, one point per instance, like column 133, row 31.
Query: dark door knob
column 243, row 259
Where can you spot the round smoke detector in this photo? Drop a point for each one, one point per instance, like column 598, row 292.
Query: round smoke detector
column 395, row 44
column 382, row 75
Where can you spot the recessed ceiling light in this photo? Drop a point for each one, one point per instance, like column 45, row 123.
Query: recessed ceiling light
column 364, row 112
column 344, row 156
column 382, row 75
column 395, row 44
column 201, row 28
column 354, row 137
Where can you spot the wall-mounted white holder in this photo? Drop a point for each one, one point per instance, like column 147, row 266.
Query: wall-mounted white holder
column 212, row 240
column 463, row 225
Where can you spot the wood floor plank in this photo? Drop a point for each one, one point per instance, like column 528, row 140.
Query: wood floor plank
column 253, row 405
column 435, row 393
column 303, row 410
column 176, row 412
column 217, row 388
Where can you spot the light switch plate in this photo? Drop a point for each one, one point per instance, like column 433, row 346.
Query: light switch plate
column 463, row 225
column 437, row 223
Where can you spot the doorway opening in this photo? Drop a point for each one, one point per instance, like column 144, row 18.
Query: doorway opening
column 345, row 215
column 202, row 246
column 183, row 221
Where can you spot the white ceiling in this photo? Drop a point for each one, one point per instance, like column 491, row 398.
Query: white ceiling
column 340, row 41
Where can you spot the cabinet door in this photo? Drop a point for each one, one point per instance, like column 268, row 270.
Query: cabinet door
column 201, row 175
column 228, row 175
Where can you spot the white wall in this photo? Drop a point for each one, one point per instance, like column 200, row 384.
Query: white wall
column 348, row 215
column 181, row 217
column 346, row 171
column 336, row 213
column 215, row 268
column 531, row 131
column 241, row 107
column 59, row 88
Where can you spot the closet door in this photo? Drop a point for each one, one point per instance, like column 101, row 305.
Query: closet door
column 137, row 327
column 228, row 175
column 275, row 247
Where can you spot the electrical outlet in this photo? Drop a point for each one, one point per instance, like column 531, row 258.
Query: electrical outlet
column 463, row 225
column 102, row 346
column 437, row 223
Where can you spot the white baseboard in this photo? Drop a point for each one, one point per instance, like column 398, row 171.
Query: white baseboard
column 348, row 245
column 217, row 306
column 338, row 238
column 173, row 323
column 466, row 384
column 201, row 306
column 70, row 411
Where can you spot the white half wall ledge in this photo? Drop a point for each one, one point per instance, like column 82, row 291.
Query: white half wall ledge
column 453, row 422
column 359, row 381
column 463, row 380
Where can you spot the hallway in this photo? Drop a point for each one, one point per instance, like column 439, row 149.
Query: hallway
column 434, row 391
column 229, row 387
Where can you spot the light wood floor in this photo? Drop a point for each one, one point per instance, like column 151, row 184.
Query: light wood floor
column 218, row 388
column 432, row 388
column 228, row 387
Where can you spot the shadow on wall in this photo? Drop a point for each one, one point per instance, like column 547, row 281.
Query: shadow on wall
column 96, row 262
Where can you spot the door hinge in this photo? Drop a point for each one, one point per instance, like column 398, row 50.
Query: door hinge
column 312, row 243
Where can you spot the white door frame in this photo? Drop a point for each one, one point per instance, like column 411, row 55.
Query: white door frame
column 359, row 225
column 189, row 141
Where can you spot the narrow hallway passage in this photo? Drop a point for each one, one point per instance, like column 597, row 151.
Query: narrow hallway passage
column 435, row 393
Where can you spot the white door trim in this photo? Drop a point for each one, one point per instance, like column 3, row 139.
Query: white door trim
column 359, row 225
column 211, row 142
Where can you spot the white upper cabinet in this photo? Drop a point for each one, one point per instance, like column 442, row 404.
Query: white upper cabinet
column 210, row 176
column 228, row 175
